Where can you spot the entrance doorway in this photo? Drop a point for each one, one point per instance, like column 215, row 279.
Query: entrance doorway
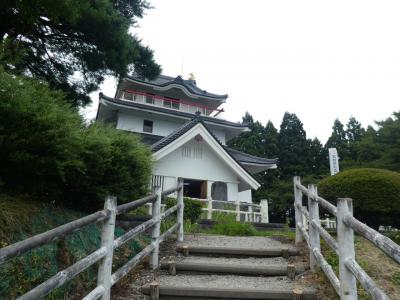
column 195, row 188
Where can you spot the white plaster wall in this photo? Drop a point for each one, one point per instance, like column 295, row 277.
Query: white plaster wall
column 245, row 196
column 197, row 160
column 232, row 191
column 134, row 122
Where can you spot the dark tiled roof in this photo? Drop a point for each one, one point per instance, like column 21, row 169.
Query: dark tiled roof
column 251, row 159
column 150, row 139
column 190, row 85
column 172, row 112
column 238, row 156
column 176, row 134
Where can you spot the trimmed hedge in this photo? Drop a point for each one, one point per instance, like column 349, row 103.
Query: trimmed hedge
column 47, row 150
column 375, row 194
column 191, row 211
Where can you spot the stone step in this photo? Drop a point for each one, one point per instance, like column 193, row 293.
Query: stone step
column 267, row 270
column 228, row 287
column 238, row 251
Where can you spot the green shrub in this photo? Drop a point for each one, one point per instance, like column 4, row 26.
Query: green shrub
column 46, row 149
column 226, row 225
column 192, row 210
column 375, row 194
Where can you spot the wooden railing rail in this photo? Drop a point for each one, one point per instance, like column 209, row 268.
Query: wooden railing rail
column 105, row 278
column 349, row 270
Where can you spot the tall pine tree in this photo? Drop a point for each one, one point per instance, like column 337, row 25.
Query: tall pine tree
column 338, row 140
column 292, row 145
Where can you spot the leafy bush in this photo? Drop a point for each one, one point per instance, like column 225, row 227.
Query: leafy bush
column 46, row 149
column 226, row 225
column 192, row 208
column 375, row 194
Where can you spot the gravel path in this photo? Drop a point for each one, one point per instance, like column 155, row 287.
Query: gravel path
column 251, row 242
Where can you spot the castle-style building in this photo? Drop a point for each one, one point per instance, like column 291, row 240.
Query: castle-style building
column 183, row 126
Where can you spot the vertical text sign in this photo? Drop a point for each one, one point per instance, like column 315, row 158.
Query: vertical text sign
column 333, row 161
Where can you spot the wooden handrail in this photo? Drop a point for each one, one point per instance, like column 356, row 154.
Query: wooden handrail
column 38, row 240
column 349, row 269
column 105, row 253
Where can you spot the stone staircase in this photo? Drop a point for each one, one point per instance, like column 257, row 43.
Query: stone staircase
column 221, row 267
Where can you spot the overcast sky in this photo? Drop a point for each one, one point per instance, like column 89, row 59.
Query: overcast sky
column 318, row 59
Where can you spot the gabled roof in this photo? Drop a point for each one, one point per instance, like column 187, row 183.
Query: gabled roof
column 164, row 81
column 238, row 157
column 157, row 142
column 192, row 129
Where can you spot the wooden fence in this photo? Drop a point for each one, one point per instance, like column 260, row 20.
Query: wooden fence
column 349, row 270
column 105, row 278
column 244, row 211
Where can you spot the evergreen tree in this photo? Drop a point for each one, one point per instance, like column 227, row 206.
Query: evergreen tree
column 317, row 158
column 367, row 148
column 271, row 140
column 388, row 140
column 354, row 130
column 251, row 142
column 338, row 140
column 73, row 44
column 354, row 133
column 292, row 145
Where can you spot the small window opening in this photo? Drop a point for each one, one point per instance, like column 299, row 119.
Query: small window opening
column 147, row 126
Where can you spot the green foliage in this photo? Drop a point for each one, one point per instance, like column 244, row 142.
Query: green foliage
column 226, row 225
column 47, row 150
column 375, row 194
column 53, row 40
column 395, row 236
column 338, row 140
column 22, row 217
column 292, row 145
column 396, row 278
column 192, row 208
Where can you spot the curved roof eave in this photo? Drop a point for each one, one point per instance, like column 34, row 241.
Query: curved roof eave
column 185, row 115
column 184, row 87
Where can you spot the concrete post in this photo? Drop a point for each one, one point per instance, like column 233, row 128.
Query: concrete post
column 180, row 211
column 156, row 229
column 345, row 236
column 250, row 215
column 313, row 232
column 264, row 211
column 237, row 211
column 209, row 209
column 298, row 215
column 107, row 240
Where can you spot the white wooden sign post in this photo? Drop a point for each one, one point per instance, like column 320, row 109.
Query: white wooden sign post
column 333, row 161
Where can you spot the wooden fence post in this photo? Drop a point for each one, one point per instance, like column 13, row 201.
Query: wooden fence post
column 156, row 229
column 298, row 214
column 180, row 211
column 264, row 211
column 237, row 211
column 107, row 240
column 345, row 236
column 250, row 215
column 209, row 209
column 313, row 232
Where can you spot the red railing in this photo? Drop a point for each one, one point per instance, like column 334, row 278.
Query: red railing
column 173, row 100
